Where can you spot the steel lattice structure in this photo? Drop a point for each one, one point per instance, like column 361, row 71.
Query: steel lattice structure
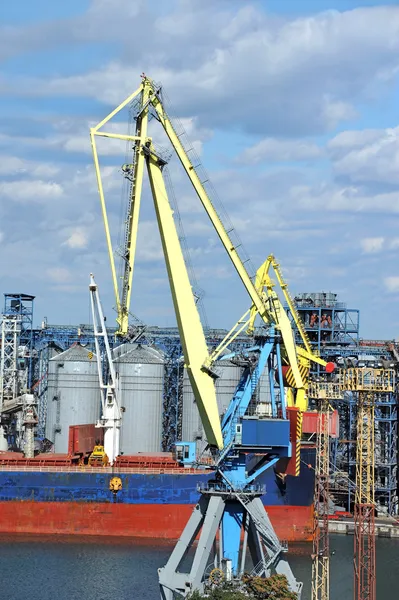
column 367, row 383
column 321, row 545
column 9, row 384
column 364, row 552
column 16, row 345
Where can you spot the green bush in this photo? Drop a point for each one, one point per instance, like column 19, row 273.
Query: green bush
column 251, row 588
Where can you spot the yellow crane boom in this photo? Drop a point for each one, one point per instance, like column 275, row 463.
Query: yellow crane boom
column 148, row 101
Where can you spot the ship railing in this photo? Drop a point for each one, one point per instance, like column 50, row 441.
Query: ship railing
column 127, row 470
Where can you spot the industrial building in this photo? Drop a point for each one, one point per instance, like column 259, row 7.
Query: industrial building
column 53, row 360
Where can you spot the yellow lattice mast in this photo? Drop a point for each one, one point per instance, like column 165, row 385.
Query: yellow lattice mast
column 321, row 546
column 366, row 383
column 322, row 393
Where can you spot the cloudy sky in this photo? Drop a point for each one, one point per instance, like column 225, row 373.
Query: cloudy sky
column 292, row 106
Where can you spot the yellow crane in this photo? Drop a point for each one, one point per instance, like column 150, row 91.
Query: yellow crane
column 149, row 102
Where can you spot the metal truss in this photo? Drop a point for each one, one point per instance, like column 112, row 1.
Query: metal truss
column 321, row 545
column 364, row 558
column 343, row 456
column 341, row 329
column 259, row 541
column 9, row 382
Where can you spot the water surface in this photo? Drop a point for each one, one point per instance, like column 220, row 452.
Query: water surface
column 52, row 568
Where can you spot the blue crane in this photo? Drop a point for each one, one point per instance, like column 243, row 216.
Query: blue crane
column 230, row 504
column 243, row 446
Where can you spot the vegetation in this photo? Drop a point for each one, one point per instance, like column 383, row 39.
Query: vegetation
column 250, row 588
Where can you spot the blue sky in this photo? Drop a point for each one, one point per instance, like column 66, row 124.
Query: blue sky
column 291, row 105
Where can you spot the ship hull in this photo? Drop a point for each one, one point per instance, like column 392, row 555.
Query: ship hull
column 151, row 504
column 292, row 523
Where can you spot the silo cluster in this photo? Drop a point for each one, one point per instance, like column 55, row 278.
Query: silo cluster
column 74, row 396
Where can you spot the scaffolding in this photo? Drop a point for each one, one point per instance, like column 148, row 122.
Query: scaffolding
column 328, row 323
column 9, row 381
column 16, row 346
column 321, row 546
column 364, row 551
column 344, row 452
column 367, row 385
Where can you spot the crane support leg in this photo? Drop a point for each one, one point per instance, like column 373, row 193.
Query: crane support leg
column 192, row 335
column 211, row 515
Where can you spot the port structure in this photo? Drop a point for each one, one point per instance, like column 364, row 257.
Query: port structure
column 367, row 383
column 230, row 504
column 147, row 102
column 17, row 408
column 233, row 501
column 108, row 385
column 344, row 456
column 330, row 325
column 322, row 393
column 333, row 330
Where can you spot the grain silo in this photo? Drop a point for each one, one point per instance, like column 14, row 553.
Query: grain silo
column 229, row 376
column 140, row 374
column 73, row 396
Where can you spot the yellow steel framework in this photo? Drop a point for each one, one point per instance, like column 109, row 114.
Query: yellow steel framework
column 321, row 549
column 364, row 557
column 366, row 382
column 148, row 98
column 367, row 379
column 265, row 287
column 325, row 389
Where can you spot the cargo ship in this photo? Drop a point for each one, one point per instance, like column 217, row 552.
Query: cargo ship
column 154, row 499
column 56, row 492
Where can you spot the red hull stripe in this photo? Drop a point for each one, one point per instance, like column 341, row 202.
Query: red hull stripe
column 166, row 521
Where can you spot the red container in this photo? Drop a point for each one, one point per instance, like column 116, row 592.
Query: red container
column 310, row 422
column 154, row 460
column 82, row 439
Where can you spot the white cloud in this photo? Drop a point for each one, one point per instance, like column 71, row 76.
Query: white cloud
column 271, row 149
column 78, row 239
column 14, row 165
column 31, row 191
column 301, row 74
column 367, row 156
column 392, row 283
column 227, row 67
column 350, row 199
column 372, row 245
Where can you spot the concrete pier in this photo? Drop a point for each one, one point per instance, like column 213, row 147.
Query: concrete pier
column 385, row 528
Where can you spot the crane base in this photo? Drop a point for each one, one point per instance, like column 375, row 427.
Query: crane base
column 207, row 520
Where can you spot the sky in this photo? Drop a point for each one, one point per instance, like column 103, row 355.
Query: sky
column 291, row 106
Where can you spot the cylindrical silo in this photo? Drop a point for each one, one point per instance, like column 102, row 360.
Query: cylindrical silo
column 229, row 376
column 140, row 374
column 73, row 396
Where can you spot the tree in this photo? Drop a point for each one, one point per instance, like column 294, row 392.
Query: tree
column 250, row 588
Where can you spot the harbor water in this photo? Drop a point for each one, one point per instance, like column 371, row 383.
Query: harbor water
column 105, row 569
